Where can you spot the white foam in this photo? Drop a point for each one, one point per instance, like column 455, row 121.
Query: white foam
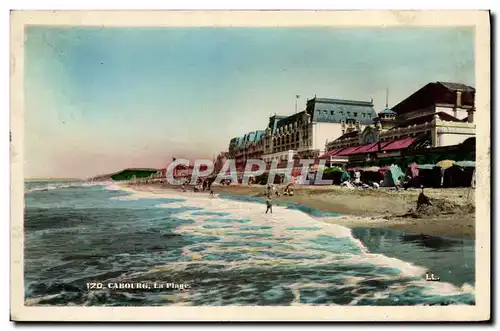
column 51, row 187
column 281, row 220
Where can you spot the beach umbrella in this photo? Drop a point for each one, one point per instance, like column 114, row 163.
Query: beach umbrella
column 445, row 164
column 465, row 164
column 426, row 166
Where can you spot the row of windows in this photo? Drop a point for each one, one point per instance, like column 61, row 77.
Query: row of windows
column 413, row 134
column 283, row 140
column 292, row 146
column 290, row 127
column 349, row 114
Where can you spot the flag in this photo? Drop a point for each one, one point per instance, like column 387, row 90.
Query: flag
column 297, row 96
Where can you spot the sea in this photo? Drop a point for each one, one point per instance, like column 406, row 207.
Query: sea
column 103, row 245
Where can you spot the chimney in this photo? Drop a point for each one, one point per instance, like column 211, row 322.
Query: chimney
column 459, row 98
column 470, row 116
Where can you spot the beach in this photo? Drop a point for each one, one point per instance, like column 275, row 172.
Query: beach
column 376, row 208
column 226, row 250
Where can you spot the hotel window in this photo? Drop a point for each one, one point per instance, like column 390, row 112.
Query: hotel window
column 349, row 113
column 355, row 114
column 331, row 113
column 326, row 112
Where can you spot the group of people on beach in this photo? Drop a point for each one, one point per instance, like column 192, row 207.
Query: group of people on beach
column 202, row 185
column 272, row 190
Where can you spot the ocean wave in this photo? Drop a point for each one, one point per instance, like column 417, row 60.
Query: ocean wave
column 289, row 223
column 56, row 186
column 232, row 253
column 49, row 187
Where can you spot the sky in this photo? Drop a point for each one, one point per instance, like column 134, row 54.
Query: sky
column 98, row 100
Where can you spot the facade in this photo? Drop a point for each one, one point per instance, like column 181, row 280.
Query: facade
column 219, row 161
column 438, row 115
column 303, row 135
column 249, row 146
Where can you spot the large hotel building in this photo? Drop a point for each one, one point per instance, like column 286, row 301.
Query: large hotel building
column 437, row 115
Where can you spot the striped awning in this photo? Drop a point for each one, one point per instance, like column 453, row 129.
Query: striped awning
column 368, row 148
column 399, row 144
column 349, row 151
column 328, row 154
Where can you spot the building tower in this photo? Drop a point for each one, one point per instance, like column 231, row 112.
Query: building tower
column 386, row 118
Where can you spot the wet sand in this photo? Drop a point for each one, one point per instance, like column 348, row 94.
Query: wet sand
column 381, row 208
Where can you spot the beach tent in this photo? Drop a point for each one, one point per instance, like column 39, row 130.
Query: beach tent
column 333, row 173
column 371, row 169
column 459, row 175
column 465, row 164
column 392, row 175
column 426, row 166
column 371, row 174
column 383, row 169
column 430, row 175
column 413, row 170
column 345, row 176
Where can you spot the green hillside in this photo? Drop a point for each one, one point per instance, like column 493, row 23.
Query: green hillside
column 128, row 174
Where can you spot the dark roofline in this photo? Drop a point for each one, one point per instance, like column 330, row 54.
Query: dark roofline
column 341, row 101
column 456, row 86
column 289, row 118
column 428, row 102
column 350, row 134
column 278, row 117
column 427, row 118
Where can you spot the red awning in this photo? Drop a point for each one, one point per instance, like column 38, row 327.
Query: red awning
column 369, row 148
column 330, row 153
column 349, row 150
column 327, row 154
column 399, row 144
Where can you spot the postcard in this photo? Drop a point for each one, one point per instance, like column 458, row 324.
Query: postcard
column 250, row 166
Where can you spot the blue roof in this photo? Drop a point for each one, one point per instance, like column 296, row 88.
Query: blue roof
column 335, row 111
column 254, row 136
column 387, row 111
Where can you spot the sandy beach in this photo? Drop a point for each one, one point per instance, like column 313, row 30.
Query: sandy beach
column 452, row 213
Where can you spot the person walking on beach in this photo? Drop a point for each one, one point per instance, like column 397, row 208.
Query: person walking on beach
column 211, row 192
column 269, row 205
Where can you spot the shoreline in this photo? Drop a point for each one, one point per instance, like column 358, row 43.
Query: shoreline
column 379, row 208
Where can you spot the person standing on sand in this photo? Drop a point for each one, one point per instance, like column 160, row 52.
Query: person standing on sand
column 211, row 192
column 269, row 205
